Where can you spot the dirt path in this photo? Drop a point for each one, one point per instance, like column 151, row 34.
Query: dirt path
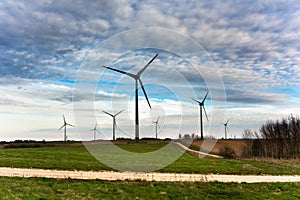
column 196, row 153
column 110, row 175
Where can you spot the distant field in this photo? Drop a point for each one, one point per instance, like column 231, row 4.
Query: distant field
column 76, row 157
column 236, row 145
column 42, row 188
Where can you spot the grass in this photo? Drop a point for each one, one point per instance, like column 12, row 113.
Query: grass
column 58, row 157
column 42, row 188
column 78, row 158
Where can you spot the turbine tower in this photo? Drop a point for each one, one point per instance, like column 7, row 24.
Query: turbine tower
column 137, row 78
column 95, row 130
column 114, row 122
column 201, row 105
column 156, row 124
column 65, row 128
column 226, row 128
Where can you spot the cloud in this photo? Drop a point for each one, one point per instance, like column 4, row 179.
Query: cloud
column 254, row 97
column 253, row 44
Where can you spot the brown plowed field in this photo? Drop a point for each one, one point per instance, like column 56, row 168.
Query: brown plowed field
column 237, row 145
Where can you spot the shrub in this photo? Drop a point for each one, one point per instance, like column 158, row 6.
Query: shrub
column 227, row 152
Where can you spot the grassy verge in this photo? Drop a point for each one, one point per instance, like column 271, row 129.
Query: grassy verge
column 78, row 158
column 41, row 188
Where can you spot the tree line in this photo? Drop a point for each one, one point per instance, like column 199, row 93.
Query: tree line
column 275, row 139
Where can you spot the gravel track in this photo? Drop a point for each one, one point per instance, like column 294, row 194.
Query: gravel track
column 172, row 177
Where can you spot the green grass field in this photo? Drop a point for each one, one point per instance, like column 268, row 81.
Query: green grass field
column 78, row 158
column 41, row 188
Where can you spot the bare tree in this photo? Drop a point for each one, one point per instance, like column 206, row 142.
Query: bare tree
column 278, row 139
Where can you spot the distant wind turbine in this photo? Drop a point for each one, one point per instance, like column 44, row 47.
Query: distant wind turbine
column 201, row 105
column 226, row 128
column 156, row 124
column 137, row 78
column 95, row 130
column 65, row 128
column 114, row 122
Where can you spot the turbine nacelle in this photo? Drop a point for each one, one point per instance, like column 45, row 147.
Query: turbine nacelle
column 156, row 125
column 95, row 130
column 226, row 128
column 65, row 127
column 201, row 104
column 114, row 121
column 138, row 80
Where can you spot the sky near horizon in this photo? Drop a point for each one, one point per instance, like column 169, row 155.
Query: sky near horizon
column 249, row 62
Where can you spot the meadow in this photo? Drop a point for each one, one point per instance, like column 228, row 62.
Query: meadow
column 42, row 188
column 76, row 157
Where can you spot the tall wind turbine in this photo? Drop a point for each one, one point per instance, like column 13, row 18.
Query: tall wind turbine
column 201, row 105
column 95, row 130
column 114, row 122
column 137, row 78
column 65, row 128
column 156, row 124
column 226, row 128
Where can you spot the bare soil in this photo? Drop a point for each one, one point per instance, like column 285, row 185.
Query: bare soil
column 237, row 145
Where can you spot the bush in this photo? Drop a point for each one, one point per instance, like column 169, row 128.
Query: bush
column 227, row 152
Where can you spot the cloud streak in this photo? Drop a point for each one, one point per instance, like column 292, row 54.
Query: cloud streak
column 254, row 44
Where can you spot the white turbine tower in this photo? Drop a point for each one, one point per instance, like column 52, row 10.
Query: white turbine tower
column 95, row 131
column 137, row 78
column 156, row 125
column 226, row 128
column 65, row 128
column 114, row 122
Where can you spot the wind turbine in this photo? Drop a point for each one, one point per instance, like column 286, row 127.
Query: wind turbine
column 137, row 78
column 114, row 122
column 226, row 128
column 156, row 124
column 65, row 128
column 95, row 130
column 201, row 105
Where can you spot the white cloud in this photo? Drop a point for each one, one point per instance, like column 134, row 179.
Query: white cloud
column 254, row 44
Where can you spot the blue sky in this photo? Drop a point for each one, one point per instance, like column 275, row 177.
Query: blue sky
column 43, row 45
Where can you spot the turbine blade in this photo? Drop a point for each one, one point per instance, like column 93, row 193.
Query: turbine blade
column 120, row 71
column 196, row 100
column 108, row 113
column 117, row 70
column 144, row 92
column 119, row 112
column 64, row 119
column 70, row 124
column 204, row 98
column 142, row 70
column 97, row 131
column 227, row 121
column 158, row 118
column 61, row 127
column 205, row 113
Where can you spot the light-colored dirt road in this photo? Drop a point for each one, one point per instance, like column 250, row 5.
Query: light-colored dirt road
column 110, row 175
column 196, row 153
